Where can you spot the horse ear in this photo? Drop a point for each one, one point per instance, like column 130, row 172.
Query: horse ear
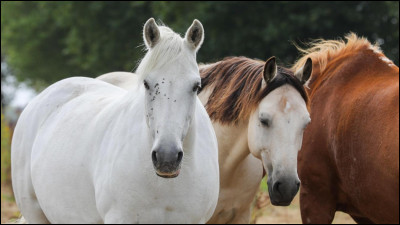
column 195, row 35
column 151, row 33
column 270, row 69
column 304, row 73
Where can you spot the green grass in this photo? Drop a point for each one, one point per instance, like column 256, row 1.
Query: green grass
column 264, row 185
column 5, row 152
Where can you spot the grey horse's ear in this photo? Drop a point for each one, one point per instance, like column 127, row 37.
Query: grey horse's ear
column 195, row 35
column 151, row 33
column 270, row 69
column 304, row 73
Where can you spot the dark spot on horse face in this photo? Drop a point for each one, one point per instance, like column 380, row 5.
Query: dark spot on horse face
column 165, row 94
column 174, row 100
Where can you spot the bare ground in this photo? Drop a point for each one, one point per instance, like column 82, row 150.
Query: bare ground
column 9, row 210
column 265, row 213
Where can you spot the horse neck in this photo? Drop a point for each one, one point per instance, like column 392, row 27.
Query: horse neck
column 361, row 65
column 320, row 76
column 232, row 138
column 131, row 108
column 232, row 145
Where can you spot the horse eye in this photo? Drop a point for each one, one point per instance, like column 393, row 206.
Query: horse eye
column 196, row 87
column 265, row 122
column 146, row 85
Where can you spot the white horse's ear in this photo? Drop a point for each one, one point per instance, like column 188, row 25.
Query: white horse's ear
column 304, row 73
column 195, row 35
column 270, row 69
column 151, row 33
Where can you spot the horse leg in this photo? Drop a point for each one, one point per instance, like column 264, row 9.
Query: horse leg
column 33, row 213
column 316, row 206
column 24, row 192
column 242, row 217
column 29, row 205
column 361, row 220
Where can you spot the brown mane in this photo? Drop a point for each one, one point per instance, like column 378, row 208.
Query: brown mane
column 237, row 91
column 322, row 52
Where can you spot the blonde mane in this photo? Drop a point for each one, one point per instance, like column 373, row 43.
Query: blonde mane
column 322, row 51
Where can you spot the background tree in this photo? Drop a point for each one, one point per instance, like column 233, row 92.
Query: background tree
column 48, row 41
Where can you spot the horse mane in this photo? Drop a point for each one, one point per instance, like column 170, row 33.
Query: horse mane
column 323, row 51
column 237, row 87
column 165, row 51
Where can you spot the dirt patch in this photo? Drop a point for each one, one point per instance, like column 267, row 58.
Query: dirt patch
column 265, row 213
column 9, row 210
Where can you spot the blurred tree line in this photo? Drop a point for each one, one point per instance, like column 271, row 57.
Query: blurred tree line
column 48, row 41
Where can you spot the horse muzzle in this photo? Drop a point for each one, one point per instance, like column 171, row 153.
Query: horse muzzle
column 282, row 191
column 167, row 162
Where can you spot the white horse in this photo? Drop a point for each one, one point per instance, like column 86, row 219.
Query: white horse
column 259, row 111
column 85, row 151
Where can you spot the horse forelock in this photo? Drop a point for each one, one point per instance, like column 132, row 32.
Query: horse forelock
column 238, row 91
column 169, row 47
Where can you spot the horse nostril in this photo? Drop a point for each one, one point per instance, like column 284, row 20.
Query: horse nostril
column 154, row 157
column 298, row 184
column 276, row 186
column 180, row 156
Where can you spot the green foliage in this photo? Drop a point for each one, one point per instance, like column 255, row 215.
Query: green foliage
column 5, row 152
column 49, row 41
column 264, row 185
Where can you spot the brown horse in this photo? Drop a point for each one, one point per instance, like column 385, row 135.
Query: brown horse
column 350, row 156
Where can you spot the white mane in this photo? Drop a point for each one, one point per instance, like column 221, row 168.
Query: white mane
column 166, row 50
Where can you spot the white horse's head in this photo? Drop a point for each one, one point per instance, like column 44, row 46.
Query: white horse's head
column 170, row 77
column 276, row 128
